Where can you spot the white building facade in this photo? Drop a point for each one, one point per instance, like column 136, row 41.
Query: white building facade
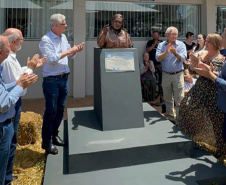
column 86, row 18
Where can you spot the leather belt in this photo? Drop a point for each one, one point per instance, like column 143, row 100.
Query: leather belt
column 64, row 75
column 173, row 73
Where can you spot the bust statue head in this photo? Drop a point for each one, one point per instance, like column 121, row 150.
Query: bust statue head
column 113, row 36
column 116, row 22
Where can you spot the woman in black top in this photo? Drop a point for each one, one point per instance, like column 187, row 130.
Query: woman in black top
column 188, row 42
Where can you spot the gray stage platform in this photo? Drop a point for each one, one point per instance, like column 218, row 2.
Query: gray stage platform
column 156, row 154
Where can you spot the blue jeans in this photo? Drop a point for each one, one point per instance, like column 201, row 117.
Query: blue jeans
column 6, row 134
column 55, row 90
column 9, row 171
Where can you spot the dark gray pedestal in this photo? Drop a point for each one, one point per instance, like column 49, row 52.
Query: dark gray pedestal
column 117, row 95
column 157, row 154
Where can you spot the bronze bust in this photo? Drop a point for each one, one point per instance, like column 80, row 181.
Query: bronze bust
column 114, row 36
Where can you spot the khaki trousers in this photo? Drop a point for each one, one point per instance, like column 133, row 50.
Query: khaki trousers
column 173, row 91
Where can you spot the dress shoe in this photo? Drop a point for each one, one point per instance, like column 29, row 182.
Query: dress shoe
column 56, row 140
column 50, row 149
column 8, row 183
column 155, row 103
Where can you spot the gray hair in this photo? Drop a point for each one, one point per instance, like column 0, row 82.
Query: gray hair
column 170, row 29
column 13, row 37
column 2, row 43
column 56, row 19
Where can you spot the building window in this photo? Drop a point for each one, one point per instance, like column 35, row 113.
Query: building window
column 141, row 19
column 32, row 16
column 221, row 18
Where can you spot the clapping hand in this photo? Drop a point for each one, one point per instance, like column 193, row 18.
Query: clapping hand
column 76, row 48
column 168, row 47
column 32, row 63
column 173, row 50
column 156, row 42
column 41, row 62
column 194, row 60
column 203, row 69
column 35, row 61
column 147, row 65
column 26, row 80
column 80, row 47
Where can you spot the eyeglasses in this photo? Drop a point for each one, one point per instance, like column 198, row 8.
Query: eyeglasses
column 63, row 24
column 173, row 34
column 20, row 39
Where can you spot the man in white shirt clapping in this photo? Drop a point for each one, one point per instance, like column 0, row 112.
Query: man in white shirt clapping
column 11, row 72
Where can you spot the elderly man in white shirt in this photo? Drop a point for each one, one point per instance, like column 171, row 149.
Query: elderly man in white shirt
column 9, row 94
column 11, row 72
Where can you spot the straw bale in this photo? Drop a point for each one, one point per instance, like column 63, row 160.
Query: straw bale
column 30, row 158
column 29, row 164
column 29, row 128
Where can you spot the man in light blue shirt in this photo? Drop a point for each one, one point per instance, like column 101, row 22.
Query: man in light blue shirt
column 54, row 45
column 171, row 54
column 9, row 95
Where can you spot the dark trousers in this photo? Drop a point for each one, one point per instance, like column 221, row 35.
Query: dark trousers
column 9, row 172
column 149, row 93
column 55, row 90
column 158, row 69
column 6, row 134
column 224, row 128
